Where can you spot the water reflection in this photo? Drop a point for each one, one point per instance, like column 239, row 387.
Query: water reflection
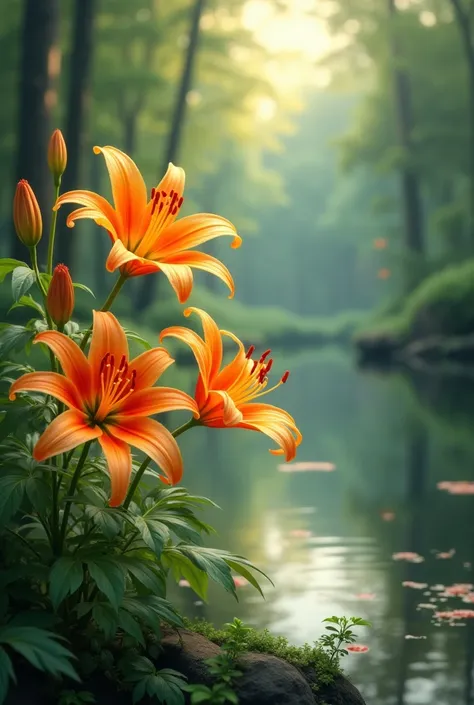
column 327, row 538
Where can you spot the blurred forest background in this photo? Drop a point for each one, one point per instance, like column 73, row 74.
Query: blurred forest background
column 338, row 135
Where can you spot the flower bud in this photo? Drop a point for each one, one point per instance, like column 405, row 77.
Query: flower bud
column 57, row 155
column 60, row 297
column 27, row 215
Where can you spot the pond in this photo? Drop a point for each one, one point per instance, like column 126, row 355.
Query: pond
column 326, row 538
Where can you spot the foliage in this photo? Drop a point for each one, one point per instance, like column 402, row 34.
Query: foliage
column 340, row 634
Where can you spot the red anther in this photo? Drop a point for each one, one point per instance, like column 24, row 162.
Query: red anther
column 153, row 191
column 133, row 379
column 268, row 367
column 180, row 202
column 103, row 363
column 123, row 362
column 171, row 193
column 161, row 206
column 265, row 355
column 285, row 377
column 250, row 352
column 111, row 361
column 163, row 193
column 254, row 367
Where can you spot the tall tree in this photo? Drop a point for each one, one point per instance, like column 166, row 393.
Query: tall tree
column 40, row 63
column 147, row 290
column 464, row 14
column 79, row 77
column 410, row 186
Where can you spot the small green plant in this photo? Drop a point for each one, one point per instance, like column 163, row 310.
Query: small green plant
column 222, row 667
column 165, row 685
column 341, row 633
column 73, row 697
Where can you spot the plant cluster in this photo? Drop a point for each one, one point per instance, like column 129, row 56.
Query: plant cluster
column 340, row 635
column 89, row 534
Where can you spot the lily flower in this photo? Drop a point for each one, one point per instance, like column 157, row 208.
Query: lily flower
column 110, row 399
column 229, row 396
column 144, row 231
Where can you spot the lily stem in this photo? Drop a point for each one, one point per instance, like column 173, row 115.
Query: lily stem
column 139, row 474
column 34, row 264
column 52, row 232
column 72, row 489
column 107, row 305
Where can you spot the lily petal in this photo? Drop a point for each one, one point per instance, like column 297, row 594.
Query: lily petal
column 198, row 347
column 154, row 440
column 205, row 262
column 212, row 337
column 119, row 461
column 72, row 359
column 95, row 203
column 157, row 400
column 180, row 277
column 221, row 414
column 107, row 337
column 119, row 256
column 191, row 231
column 68, row 430
column 96, row 216
column 156, row 220
column 149, row 366
column 128, row 189
column 234, row 369
column 51, row 383
column 275, row 423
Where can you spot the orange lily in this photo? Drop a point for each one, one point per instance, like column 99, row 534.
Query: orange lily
column 109, row 399
column 226, row 395
column 145, row 233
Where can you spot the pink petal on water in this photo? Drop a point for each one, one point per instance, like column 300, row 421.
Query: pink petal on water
column 366, row 596
column 408, row 556
column 239, row 581
column 300, row 534
column 184, row 583
column 415, row 586
column 310, row 466
column 411, row 636
column 357, row 648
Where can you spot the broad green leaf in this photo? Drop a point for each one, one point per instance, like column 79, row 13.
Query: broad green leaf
column 109, row 578
column 7, row 265
column 30, row 302
column 65, row 578
column 105, row 520
column 41, row 648
column 12, row 489
column 160, row 606
column 245, row 573
column 6, row 674
column 77, row 285
column 14, row 338
column 183, row 567
column 134, row 336
column 39, row 493
column 23, row 279
column 146, row 574
column 212, row 564
column 106, row 619
column 130, row 626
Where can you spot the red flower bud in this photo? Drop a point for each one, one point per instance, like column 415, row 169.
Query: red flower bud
column 60, row 298
column 57, row 155
column 27, row 215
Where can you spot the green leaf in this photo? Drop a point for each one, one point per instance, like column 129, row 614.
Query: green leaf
column 6, row 674
column 106, row 619
column 23, row 279
column 130, row 626
column 30, row 302
column 164, row 609
column 41, row 648
column 14, row 338
column 212, row 564
column 65, row 578
column 12, row 489
column 245, row 573
column 147, row 575
column 183, row 567
column 7, row 265
column 39, row 493
column 105, row 520
column 77, row 285
column 109, row 578
column 134, row 336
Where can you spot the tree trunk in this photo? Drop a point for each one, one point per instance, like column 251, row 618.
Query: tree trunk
column 410, row 185
column 149, row 287
column 464, row 19
column 40, row 62
column 79, row 75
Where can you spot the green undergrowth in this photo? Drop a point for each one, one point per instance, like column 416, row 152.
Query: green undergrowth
column 442, row 305
column 302, row 657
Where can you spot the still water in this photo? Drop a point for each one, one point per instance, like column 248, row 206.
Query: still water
column 327, row 538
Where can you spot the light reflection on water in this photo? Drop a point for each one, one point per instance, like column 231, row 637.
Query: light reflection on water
column 322, row 537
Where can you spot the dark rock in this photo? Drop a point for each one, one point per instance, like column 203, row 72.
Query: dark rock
column 339, row 692
column 267, row 680
column 186, row 652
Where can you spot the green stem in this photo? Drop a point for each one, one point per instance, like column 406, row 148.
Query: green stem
column 52, row 232
column 72, row 489
column 107, row 304
column 34, row 264
column 139, row 474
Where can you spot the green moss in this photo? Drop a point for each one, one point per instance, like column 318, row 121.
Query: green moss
column 264, row 642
